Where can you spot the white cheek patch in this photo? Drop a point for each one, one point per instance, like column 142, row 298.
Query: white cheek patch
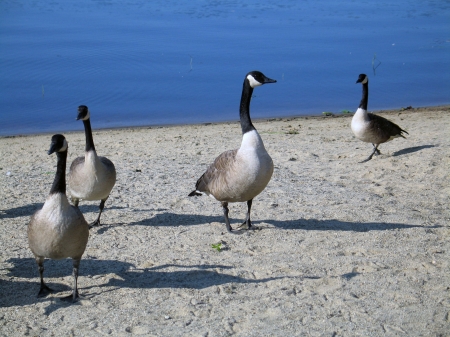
column 64, row 147
column 88, row 115
column 253, row 83
column 365, row 80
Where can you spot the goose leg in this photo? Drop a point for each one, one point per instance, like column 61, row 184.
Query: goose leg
column 97, row 222
column 225, row 214
column 44, row 290
column 375, row 149
column 247, row 224
column 74, row 296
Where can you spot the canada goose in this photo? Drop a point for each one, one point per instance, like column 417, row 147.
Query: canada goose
column 372, row 128
column 90, row 177
column 240, row 175
column 58, row 230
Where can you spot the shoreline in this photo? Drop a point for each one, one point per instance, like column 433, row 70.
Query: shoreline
column 257, row 120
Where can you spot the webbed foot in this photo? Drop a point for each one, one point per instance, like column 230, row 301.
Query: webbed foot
column 95, row 223
column 72, row 298
column 246, row 225
column 44, row 291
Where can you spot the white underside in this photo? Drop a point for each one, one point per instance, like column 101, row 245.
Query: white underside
column 360, row 123
column 58, row 230
column 92, row 180
column 57, row 211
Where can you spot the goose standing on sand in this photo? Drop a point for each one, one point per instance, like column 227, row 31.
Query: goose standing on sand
column 90, row 177
column 372, row 128
column 58, row 230
column 240, row 175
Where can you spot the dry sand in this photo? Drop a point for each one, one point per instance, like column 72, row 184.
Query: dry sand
column 344, row 249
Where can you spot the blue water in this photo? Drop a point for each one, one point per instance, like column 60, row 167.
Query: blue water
column 141, row 62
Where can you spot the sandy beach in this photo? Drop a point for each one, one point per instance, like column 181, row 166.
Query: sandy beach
column 341, row 249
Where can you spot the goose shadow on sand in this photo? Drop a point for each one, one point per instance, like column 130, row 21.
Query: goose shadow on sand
column 126, row 275
column 173, row 219
column 25, row 210
column 411, row 150
column 30, row 209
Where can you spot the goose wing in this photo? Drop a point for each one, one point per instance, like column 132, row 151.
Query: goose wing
column 385, row 128
column 108, row 164
column 216, row 172
column 76, row 165
column 76, row 162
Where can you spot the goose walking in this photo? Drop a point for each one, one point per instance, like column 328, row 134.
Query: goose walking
column 372, row 128
column 91, row 177
column 240, row 175
column 58, row 230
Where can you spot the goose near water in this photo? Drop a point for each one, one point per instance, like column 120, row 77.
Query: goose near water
column 90, row 177
column 58, row 230
column 372, row 128
column 240, row 175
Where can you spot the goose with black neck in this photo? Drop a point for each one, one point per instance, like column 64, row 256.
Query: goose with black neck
column 58, row 230
column 240, row 175
column 372, row 128
column 91, row 177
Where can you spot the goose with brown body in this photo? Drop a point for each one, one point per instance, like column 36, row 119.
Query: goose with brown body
column 240, row 175
column 91, row 177
column 58, row 230
column 372, row 128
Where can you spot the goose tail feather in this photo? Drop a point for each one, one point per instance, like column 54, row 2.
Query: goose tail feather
column 194, row 193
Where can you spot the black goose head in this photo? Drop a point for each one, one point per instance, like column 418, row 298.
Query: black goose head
column 362, row 78
column 58, row 144
column 256, row 78
column 83, row 113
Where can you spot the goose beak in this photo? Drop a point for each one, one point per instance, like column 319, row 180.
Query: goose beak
column 52, row 148
column 269, row 80
column 79, row 116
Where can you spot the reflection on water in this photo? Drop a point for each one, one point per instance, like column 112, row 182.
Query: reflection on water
column 162, row 62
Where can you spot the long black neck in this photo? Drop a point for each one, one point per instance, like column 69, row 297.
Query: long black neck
column 59, row 184
column 244, row 109
column 365, row 96
column 88, row 132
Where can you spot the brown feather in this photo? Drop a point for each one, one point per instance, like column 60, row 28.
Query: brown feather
column 383, row 129
column 216, row 171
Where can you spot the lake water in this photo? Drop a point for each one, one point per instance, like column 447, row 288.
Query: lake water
column 139, row 62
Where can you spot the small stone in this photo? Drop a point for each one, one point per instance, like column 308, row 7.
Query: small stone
column 166, row 317
column 93, row 325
